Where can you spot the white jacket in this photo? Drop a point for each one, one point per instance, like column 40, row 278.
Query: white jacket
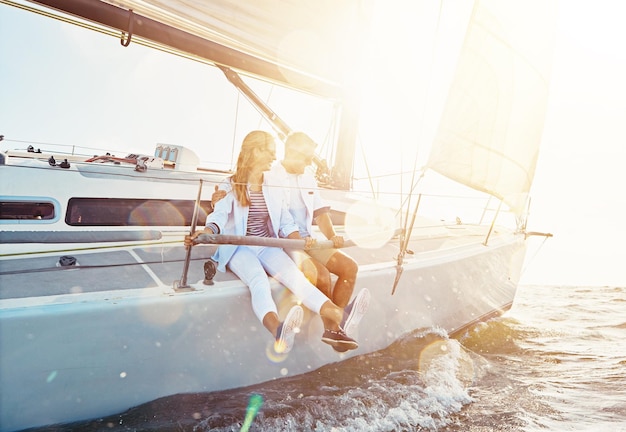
column 307, row 190
column 232, row 218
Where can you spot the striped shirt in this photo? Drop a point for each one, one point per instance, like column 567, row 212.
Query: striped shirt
column 258, row 216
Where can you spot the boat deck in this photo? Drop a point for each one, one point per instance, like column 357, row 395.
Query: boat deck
column 142, row 267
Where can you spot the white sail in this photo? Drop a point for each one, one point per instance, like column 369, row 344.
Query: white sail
column 491, row 127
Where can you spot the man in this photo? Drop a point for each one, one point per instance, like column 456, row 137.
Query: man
column 305, row 205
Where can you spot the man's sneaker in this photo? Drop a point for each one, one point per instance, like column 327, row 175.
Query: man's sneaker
column 341, row 349
column 339, row 340
column 355, row 310
column 287, row 330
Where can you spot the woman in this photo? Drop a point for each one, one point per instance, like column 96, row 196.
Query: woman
column 251, row 207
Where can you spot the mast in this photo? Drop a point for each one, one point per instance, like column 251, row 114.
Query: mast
column 346, row 145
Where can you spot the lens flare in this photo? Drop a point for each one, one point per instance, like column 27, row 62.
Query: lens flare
column 448, row 353
column 370, row 224
column 161, row 315
column 51, row 376
column 154, row 213
column 273, row 355
column 254, row 404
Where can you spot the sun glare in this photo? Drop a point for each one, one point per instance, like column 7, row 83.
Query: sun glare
column 407, row 66
column 369, row 224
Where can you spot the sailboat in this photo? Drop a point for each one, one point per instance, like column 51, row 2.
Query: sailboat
column 101, row 306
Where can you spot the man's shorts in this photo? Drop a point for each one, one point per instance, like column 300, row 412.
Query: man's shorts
column 321, row 255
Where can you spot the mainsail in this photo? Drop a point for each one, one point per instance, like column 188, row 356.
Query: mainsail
column 491, row 127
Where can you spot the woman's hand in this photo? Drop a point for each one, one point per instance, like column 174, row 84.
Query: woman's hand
column 190, row 238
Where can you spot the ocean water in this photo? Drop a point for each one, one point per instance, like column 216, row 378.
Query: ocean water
column 555, row 362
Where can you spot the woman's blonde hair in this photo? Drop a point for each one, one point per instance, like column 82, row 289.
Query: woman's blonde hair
column 257, row 139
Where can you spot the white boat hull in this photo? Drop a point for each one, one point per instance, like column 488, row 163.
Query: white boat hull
column 81, row 355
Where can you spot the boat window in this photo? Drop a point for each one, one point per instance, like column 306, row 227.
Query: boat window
column 133, row 212
column 27, row 210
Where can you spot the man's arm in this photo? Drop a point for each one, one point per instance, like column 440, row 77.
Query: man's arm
column 325, row 223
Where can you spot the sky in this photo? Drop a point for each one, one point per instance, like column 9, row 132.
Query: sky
column 578, row 190
column 51, row 94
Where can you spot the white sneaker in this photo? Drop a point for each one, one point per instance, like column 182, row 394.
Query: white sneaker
column 355, row 310
column 287, row 330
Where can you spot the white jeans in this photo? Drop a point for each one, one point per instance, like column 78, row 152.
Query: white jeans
column 250, row 264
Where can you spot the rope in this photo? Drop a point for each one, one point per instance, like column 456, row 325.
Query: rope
column 87, row 267
column 530, row 259
column 93, row 248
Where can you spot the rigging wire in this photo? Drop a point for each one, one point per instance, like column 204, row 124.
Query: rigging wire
column 407, row 227
column 414, row 182
column 233, row 145
column 530, row 259
column 325, row 152
column 367, row 170
column 267, row 102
